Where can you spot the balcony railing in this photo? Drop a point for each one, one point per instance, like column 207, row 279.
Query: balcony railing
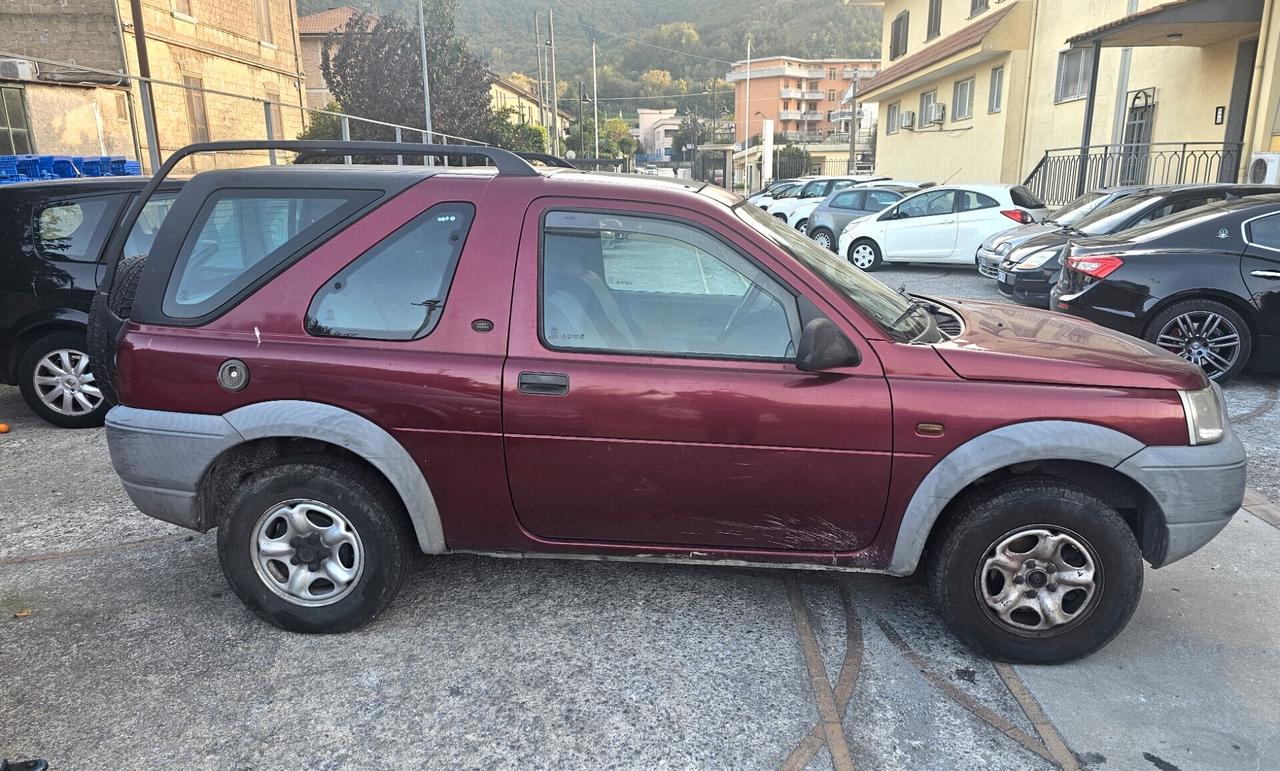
column 791, row 93
column 1064, row 173
column 790, row 115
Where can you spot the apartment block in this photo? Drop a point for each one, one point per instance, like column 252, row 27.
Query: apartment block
column 803, row 97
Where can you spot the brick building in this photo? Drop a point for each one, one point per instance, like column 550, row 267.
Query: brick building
column 217, row 64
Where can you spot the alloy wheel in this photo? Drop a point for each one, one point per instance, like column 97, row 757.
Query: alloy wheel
column 307, row 552
column 1039, row 581
column 1203, row 338
column 65, row 384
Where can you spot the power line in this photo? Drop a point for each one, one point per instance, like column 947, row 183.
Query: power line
column 654, row 96
column 652, row 45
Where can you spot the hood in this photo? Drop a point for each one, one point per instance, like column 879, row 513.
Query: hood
column 1010, row 343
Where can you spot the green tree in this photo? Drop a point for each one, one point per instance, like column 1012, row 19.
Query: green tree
column 375, row 71
column 507, row 133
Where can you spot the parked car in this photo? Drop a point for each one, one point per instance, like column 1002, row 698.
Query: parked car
column 840, row 208
column 1030, row 271
column 337, row 365
column 812, row 192
column 939, row 224
column 996, row 248
column 1204, row 284
column 801, row 211
column 53, row 233
column 767, row 196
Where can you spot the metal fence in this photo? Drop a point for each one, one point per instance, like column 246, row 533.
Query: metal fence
column 1064, row 173
column 190, row 112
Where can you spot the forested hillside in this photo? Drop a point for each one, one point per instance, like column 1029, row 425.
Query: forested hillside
column 700, row 37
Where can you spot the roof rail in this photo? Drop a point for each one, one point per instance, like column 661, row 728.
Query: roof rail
column 548, row 159
column 507, row 163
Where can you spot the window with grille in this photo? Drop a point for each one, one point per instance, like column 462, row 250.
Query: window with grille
column 978, row 6
column 197, row 118
column 898, row 35
column 935, row 19
column 15, row 132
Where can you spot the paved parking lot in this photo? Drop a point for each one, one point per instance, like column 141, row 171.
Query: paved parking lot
column 122, row 646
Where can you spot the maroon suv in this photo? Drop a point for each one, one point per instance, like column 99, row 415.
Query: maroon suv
column 335, row 365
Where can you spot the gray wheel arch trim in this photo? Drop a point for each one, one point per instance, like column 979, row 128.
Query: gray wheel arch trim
column 326, row 423
column 996, row 449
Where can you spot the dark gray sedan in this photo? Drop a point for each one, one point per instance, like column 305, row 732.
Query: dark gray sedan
column 842, row 207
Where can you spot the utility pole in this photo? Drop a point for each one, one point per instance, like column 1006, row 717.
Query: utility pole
column 429, row 135
column 853, row 121
column 582, row 126
column 746, row 143
column 144, row 86
column 542, row 75
column 555, row 84
column 595, row 99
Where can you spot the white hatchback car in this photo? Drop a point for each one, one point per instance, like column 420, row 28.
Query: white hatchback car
column 939, row 224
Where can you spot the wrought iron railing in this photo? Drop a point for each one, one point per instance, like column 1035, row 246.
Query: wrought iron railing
column 1064, row 173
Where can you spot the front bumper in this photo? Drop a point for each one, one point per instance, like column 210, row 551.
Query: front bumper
column 1027, row 287
column 162, row 456
column 989, row 263
column 1196, row 489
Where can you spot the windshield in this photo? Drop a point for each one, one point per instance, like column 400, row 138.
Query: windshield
column 786, row 192
column 1077, row 209
column 1113, row 216
column 891, row 310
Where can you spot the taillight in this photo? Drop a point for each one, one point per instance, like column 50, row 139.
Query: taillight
column 1097, row 267
column 1019, row 216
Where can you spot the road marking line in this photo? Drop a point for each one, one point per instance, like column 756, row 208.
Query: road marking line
column 832, row 725
column 987, row 715
column 803, row 755
column 1053, row 741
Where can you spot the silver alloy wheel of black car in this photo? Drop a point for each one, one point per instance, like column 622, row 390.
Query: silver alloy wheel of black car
column 1039, row 581
column 64, row 383
column 862, row 255
column 1204, row 338
column 307, row 552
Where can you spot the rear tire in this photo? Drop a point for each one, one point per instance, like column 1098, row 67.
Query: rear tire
column 1001, row 543
column 865, row 253
column 119, row 300
column 347, row 571
column 824, row 238
column 59, row 385
column 1207, row 333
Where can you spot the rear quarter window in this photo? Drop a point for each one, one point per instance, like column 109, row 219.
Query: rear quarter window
column 1025, row 198
column 241, row 235
column 74, row 229
column 1265, row 232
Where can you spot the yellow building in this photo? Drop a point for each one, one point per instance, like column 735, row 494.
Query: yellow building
column 1007, row 90
column 504, row 93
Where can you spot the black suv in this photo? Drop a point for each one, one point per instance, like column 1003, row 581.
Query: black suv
column 51, row 240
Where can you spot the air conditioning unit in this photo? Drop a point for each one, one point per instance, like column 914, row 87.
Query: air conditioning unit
column 1264, row 169
column 18, row 69
column 936, row 113
column 907, row 119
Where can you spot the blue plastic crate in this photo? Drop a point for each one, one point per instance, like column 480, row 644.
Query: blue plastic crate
column 36, row 166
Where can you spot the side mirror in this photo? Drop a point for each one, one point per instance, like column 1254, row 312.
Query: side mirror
column 823, row 346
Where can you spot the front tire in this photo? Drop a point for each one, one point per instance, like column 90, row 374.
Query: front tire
column 1206, row 333
column 865, row 253
column 315, row 546
column 59, row 385
column 1036, row 571
column 803, row 226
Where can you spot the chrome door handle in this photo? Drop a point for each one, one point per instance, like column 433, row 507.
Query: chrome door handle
column 1272, row 274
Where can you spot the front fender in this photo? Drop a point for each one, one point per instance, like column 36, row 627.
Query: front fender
column 1006, row 446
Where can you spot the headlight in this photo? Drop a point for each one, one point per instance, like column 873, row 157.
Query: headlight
column 1037, row 260
column 1206, row 419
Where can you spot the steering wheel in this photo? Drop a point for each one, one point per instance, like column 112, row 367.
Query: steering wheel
column 743, row 304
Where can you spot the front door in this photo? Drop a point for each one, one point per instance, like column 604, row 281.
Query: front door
column 1136, row 151
column 650, row 393
column 923, row 227
column 1261, row 269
